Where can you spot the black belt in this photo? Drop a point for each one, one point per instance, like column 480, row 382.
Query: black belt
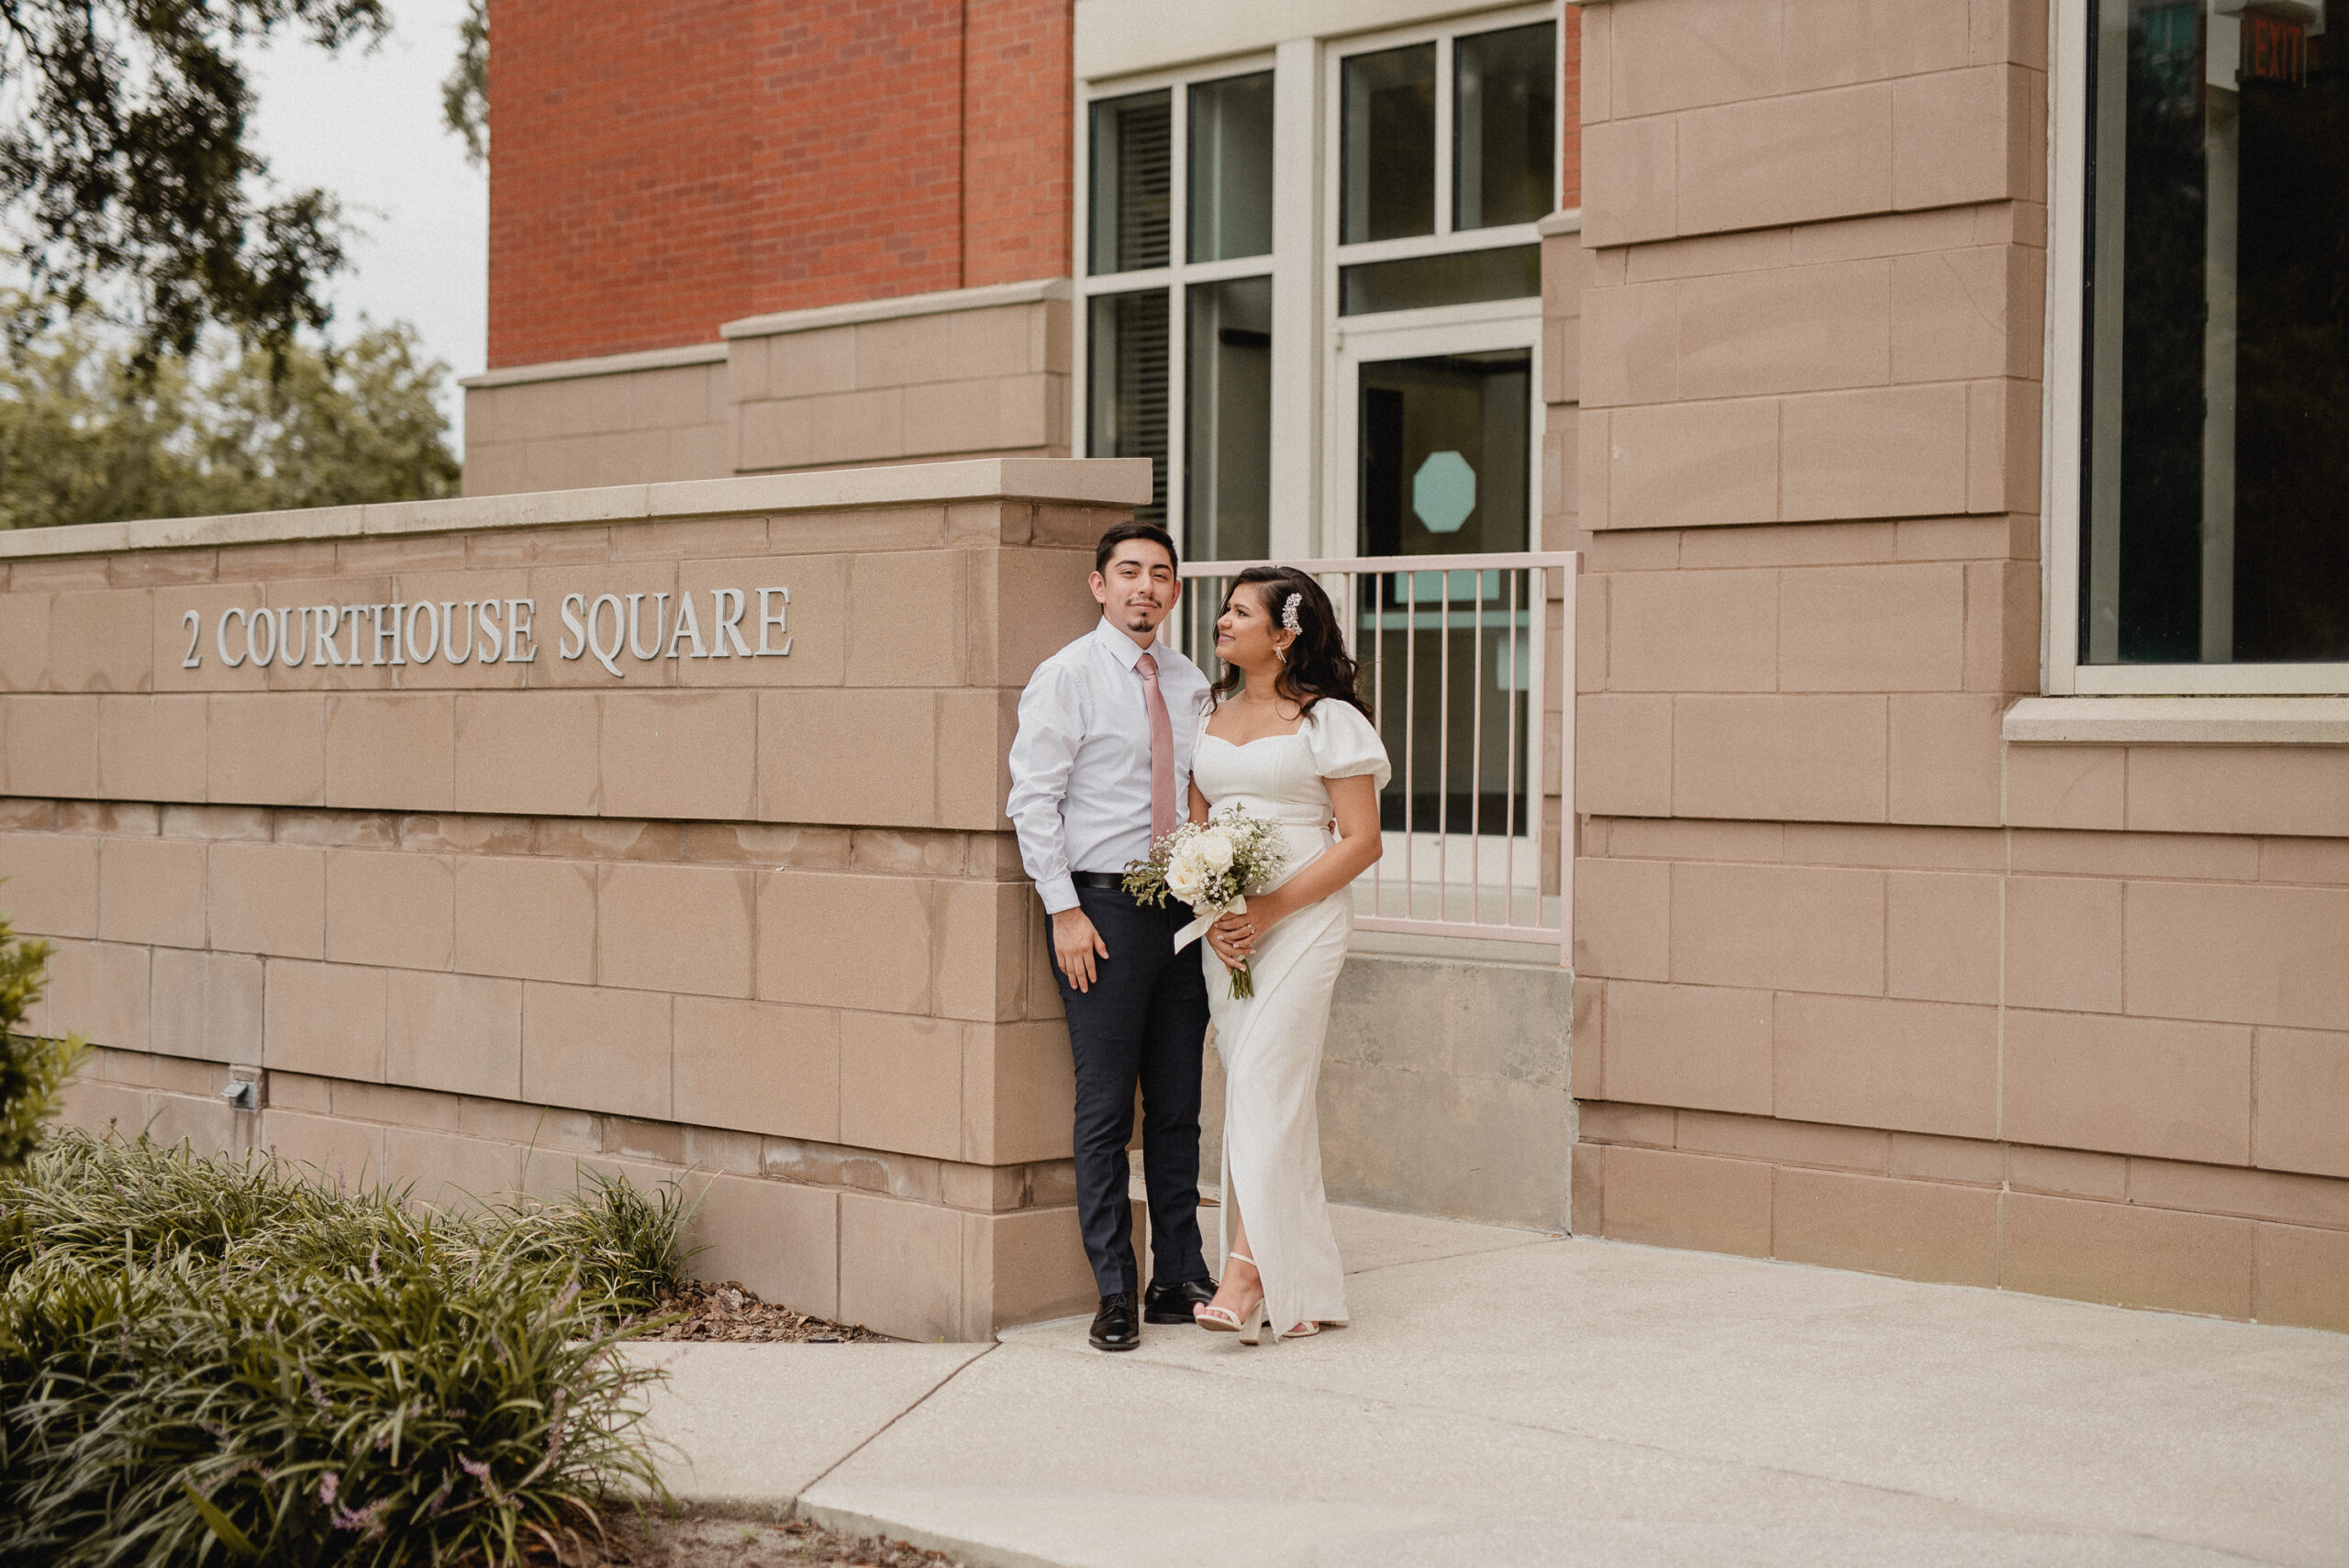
column 1115, row 880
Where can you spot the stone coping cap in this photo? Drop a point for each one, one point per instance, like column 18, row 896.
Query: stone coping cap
column 775, row 324
column 602, row 364
column 2199, row 721
column 935, row 303
column 1116, row 482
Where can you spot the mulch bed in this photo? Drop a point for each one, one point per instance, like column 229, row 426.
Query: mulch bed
column 731, row 1312
column 740, row 1543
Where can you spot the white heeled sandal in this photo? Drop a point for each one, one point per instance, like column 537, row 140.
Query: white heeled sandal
column 1251, row 1328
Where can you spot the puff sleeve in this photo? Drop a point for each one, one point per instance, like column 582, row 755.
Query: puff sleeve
column 1344, row 743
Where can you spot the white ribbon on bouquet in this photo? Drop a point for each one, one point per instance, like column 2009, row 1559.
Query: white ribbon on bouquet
column 1207, row 919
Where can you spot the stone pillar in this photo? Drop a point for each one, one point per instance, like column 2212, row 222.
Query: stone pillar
column 629, row 896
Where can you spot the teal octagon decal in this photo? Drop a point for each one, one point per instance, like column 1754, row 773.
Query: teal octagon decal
column 1443, row 492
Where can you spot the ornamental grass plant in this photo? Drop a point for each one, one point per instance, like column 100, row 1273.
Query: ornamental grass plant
column 212, row 1361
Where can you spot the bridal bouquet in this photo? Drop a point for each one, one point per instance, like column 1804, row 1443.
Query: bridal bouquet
column 1212, row 866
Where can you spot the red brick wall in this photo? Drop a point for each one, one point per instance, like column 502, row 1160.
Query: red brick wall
column 665, row 165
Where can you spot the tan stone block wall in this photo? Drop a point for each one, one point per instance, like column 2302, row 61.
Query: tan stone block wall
column 991, row 379
column 644, row 1019
column 764, row 932
column 1860, row 983
column 912, row 1247
column 2134, row 1232
column 627, row 428
column 984, row 380
column 2139, row 1021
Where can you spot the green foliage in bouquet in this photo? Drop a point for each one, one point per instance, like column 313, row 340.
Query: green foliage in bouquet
column 1212, row 866
column 33, row 1072
column 214, row 1361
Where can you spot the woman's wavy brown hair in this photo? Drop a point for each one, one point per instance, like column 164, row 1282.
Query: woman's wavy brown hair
column 1317, row 665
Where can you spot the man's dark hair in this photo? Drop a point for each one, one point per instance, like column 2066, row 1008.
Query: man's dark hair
column 1124, row 531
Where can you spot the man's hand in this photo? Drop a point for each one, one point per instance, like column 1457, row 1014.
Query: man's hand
column 1074, row 943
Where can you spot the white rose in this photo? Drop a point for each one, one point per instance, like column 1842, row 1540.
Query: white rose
column 1184, row 880
column 1215, row 849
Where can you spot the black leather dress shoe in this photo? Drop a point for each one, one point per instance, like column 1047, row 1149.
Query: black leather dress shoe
column 1114, row 1328
column 1172, row 1303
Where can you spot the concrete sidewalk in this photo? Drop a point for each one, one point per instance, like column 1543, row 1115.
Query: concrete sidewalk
column 1505, row 1397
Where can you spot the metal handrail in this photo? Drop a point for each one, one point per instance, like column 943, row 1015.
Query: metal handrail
column 1520, row 619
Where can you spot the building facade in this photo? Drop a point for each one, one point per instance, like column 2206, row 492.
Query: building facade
column 1945, row 397
column 1945, row 393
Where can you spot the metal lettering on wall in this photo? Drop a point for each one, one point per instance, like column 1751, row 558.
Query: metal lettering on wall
column 497, row 631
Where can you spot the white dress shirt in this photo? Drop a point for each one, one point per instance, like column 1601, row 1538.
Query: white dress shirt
column 1080, row 765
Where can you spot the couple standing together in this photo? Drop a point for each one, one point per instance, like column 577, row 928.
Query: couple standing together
column 1120, row 739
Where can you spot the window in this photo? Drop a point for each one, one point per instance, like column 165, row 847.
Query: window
column 1265, row 350
column 1448, row 157
column 1126, row 337
column 1227, row 463
column 1504, row 131
column 1389, row 185
column 1445, row 146
column 1178, row 318
column 2199, row 543
column 1231, row 168
column 1133, row 164
column 1444, row 449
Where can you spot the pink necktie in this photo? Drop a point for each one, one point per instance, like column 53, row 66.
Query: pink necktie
column 1161, row 751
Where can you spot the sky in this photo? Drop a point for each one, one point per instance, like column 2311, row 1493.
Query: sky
column 367, row 127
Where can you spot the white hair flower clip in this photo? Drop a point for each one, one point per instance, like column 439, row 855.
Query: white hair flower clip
column 1288, row 614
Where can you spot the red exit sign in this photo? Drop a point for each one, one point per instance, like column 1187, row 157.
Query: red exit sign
column 2274, row 49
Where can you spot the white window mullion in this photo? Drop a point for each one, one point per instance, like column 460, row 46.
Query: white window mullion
column 1178, row 334
column 1303, row 201
column 1080, row 393
column 2060, row 412
column 1444, row 134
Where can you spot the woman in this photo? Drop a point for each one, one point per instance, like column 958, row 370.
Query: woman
column 1283, row 736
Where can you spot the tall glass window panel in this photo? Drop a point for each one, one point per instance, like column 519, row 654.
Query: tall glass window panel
column 1387, row 180
column 1231, row 168
column 1132, row 155
column 1504, row 125
column 1455, row 277
column 1228, row 468
column 2218, row 353
column 1126, row 379
column 1444, row 445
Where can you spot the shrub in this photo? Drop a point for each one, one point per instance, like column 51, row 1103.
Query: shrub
column 33, row 1072
column 204, row 1360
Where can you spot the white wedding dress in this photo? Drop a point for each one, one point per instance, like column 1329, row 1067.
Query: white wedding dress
column 1271, row 1042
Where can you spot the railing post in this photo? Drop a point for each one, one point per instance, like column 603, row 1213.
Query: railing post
column 1569, row 819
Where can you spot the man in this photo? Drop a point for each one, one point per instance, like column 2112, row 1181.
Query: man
column 1100, row 770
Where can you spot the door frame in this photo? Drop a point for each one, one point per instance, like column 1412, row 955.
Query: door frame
column 1412, row 334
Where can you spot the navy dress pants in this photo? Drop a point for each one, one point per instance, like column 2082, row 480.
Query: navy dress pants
column 1143, row 1023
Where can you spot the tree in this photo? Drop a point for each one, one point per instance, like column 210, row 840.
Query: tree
column 33, row 1072
column 89, row 435
column 464, row 93
column 127, row 175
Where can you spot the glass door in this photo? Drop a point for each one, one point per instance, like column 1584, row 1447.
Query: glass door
column 1434, row 439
